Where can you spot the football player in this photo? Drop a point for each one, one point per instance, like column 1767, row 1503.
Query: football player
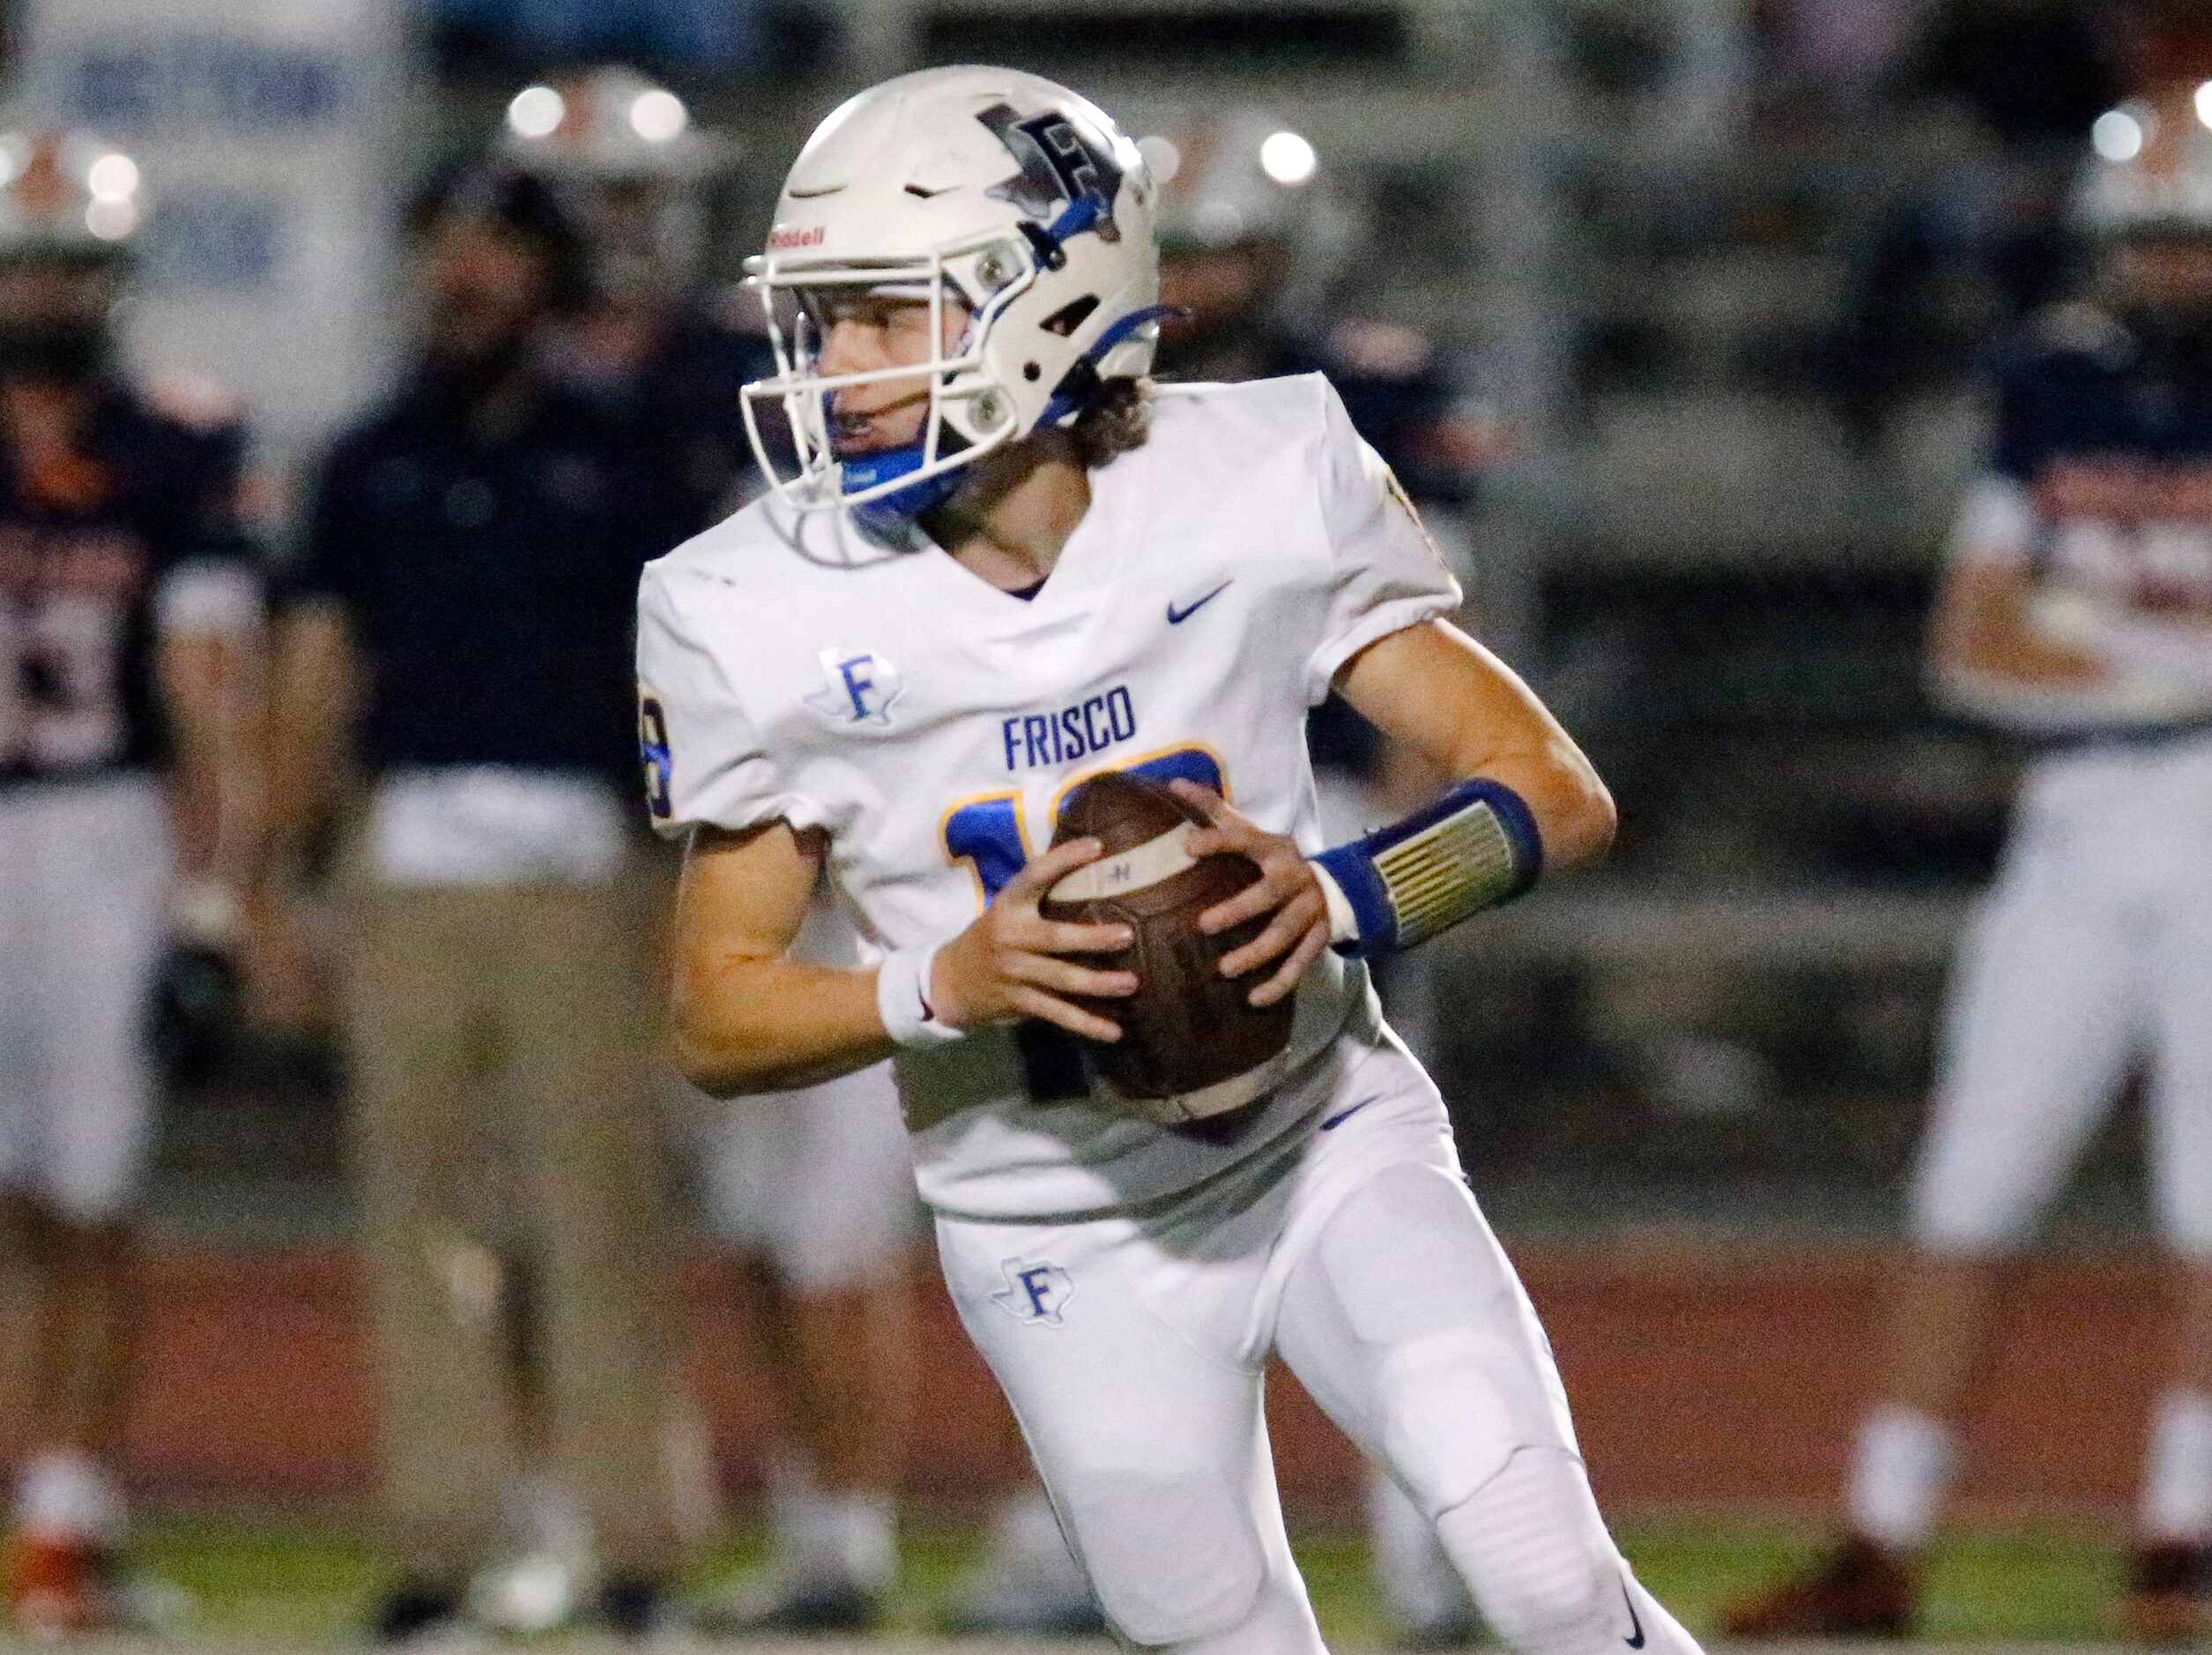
column 1004, row 561
column 813, row 1191
column 130, row 614
column 2076, row 611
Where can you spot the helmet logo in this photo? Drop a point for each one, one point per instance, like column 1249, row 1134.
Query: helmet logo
column 1058, row 166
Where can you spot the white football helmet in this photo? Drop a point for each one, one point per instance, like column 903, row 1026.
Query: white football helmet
column 2150, row 171
column 629, row 164
column 67, row 195
column 993, row 188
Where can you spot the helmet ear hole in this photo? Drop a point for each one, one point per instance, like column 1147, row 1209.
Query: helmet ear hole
column 1070, row 317
column 1031, row 372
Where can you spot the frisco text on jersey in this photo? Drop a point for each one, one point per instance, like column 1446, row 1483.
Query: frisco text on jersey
column 1089, row 726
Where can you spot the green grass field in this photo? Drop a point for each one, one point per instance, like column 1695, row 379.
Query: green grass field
column 264, row 1582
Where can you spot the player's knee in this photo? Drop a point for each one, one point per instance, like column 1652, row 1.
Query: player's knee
column 1536, row 1557
column 1174, row 1555
column 1457, row 1406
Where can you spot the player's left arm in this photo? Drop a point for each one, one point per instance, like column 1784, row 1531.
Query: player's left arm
column 209, row 664
column 1522, row 798
column 1449, row 701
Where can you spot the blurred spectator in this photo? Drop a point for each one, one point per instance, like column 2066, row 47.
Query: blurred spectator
column 459, row 622
column 129, row 629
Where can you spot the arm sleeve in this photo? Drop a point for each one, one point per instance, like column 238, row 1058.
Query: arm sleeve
column 1996, row 522
column 1385, row 572
column 705, row 764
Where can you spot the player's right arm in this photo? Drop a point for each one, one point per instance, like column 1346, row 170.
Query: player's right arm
column 1983, row 631
column 749, row 1017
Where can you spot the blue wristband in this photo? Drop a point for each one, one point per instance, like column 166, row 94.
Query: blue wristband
column 1474, row 847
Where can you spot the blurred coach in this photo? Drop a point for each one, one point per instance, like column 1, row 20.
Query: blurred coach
column 459, row 624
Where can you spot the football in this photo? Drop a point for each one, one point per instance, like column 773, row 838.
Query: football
column 1192, row 1049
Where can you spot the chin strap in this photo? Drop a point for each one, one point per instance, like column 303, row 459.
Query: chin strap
column 889, row 519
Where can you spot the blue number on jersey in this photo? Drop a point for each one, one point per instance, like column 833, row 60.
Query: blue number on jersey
column 987, row 834
column 652, row 740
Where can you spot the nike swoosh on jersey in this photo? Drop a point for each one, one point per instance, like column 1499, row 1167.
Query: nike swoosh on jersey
column 1177, row 616
column 1635, row 1620
column 1342, row 1116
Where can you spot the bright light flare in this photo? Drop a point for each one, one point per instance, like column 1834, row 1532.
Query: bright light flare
column 1287, row 159
column 112, row 177
column 111, row 220
column 536, row 112
column 2118, row 136
column 658, row 115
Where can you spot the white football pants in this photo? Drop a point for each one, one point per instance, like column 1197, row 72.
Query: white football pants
column 83, row 896
column 1132, row 1351
column 2092, row 952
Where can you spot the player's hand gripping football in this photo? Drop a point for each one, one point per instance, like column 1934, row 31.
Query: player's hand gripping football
column 1011, row 963
column 1287, row 889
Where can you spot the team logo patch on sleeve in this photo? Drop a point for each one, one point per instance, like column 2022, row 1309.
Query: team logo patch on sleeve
column 858, row 687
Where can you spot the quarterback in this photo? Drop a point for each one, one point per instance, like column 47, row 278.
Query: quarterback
column 1002, row 561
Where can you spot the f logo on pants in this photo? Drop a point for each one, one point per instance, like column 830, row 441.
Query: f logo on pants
column 1033, row 1292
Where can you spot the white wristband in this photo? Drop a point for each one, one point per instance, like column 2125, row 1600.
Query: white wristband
column 1344, row 922
column 901, row 1001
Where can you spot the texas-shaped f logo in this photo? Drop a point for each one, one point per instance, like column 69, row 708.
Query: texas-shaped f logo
column 1033, row 1292
column 858, row 687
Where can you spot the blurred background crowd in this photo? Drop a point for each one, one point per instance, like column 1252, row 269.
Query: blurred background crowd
column 399, row 335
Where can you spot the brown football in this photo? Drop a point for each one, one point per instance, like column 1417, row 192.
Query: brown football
column 1192, row 1047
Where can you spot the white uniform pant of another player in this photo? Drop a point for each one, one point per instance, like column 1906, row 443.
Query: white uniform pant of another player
column 820, row 1182
column 1131, row 1350
column 83, row 891
column 2092, row 954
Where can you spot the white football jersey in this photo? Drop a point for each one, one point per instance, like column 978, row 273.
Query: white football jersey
column 928, row 724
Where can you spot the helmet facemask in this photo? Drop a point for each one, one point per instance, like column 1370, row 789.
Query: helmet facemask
column 968, row 413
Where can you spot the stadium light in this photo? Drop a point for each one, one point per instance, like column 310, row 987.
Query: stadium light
column 1161, row 156
column 2204, row 102
column 112, row 177
column 1287, row 159
column 111, row 220
column 536, row 112
column 658, row 115
column 2118, row 136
